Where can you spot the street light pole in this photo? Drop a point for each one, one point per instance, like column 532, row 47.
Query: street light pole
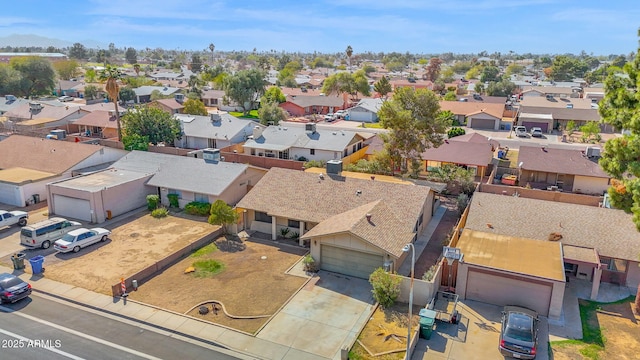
column 413, row 263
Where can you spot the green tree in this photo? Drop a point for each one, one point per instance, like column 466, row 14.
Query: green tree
column 501, row 88
column 344, row 82
column 455, row 131
column 37, row 75
column 78, row 51
column 222, row 214
column 196, row 63
column 450, row 96
column 412, row 116
column 135, row 142
column 195, row 107
column 571, row 126
column 110, row 75
column 271, row 112
column 90, row 75
column 479, row 88
column 349, row 52
column 286, row 78
column 131, row 55
column 383, row 87
column 158, row 125
column 10, row 80
column 127, row 94
column 273, row 94
column 456, row 177
column 621, row 156
column 386, row 287
column 514, row 69
column 66, row 69
column 157, row 95
column 565, row 68
column 90, row 92
column 245, row 88
column 490, row 73
column 589, row 130
column 432, row 70
column 212, row 47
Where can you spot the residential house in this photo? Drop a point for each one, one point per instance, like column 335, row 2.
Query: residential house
column 42, row 116
column 477, row 115
column 215, row 98
column 143, row 93
column 366, row 110
column 123, row 187
column 5, row 57
column 29, row 163
column 595, row 94
column 352, row 226
column 172, row 106
column 570, row 170
column 301, row 105
column 218, row 130
column 598, row 244
column 99, row 123
column 549, row 113
column 470, row 151
column 9, row 102
column 308, row 142
column 414, row 84
column 553, row 91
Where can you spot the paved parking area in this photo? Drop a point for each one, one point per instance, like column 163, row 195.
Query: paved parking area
column 476, row 336
column 323, row 316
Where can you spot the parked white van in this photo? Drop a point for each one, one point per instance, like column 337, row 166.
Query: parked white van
column 42, row 234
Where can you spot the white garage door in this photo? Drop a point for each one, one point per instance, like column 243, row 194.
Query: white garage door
column 349, row 262
column 10, row 195
column 502, row 290
column 72, row 207
column 360, row 116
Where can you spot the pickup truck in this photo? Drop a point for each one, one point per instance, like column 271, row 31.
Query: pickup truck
column 8, row 218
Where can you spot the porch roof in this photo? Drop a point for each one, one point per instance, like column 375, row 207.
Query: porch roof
column 581, row 254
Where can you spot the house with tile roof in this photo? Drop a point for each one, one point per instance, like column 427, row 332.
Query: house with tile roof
column 477, row 115
column 555, row 91
column 45, row 115
column 99, row 123
column 29, row 163
column 470, row 151
column 598, row 245
column 172, row 106
column 352, row 226
column 143, row 93
column 550, row 113
column 9, row 102
column 310, row 142
column 300, row 105
column 218, row 130
column 570, row 170
column 124, row 186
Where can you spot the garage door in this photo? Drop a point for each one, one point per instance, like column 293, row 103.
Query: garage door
column 10, row 195
column 483, row 124
column 349, row 262
column 530, row 124
column 71, row 207
column 502, row 290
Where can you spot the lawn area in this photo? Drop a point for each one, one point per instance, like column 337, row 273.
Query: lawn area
column 610, row 331
column 253, row 114
column 372, row 125
column 247, row 277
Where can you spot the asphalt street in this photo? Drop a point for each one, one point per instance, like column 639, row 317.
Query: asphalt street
column 41, row 328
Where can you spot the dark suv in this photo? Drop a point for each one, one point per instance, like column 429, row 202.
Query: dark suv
column 519, row 334
column 12, row 288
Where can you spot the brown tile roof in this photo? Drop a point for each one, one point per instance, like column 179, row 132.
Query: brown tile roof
column 109, row 106
column 609, row 231
column 48, row 112
column 304, row 196
column 99, row 118
column 543, row 260
column 170, row 103
column 461, row 152
column 382, row 231
column 306, row 101
column 561, row 161
column 549, row 89
column 466, row 108
column 556, row 103
column 297, row 91
column 52, row 156
column 476, row 138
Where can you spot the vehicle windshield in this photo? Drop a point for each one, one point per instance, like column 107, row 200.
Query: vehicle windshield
column 519, row 327
column 67, row 237
column 26, row 233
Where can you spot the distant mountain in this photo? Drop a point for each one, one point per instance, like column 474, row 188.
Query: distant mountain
column 28, row 40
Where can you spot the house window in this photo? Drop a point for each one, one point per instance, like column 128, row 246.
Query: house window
column 177, row 192
column 346, row 152
column 294, row 224
column 284, row 154
column 212, row 143
column 201, row 197
column 617, row 265
column 262, row 217
column 253, row 152
column 355, row 148
column 312, row 151
column 433, row 165
column 360, row 145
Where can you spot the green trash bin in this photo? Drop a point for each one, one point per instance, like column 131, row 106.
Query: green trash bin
column 18, row 261
column 427, row 320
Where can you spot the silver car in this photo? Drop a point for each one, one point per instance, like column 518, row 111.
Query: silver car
column 519, row 334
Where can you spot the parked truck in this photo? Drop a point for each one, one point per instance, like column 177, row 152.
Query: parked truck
column 9, row 218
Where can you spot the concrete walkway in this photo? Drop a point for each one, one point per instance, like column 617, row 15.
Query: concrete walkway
column 422, row 241
column 247, row 346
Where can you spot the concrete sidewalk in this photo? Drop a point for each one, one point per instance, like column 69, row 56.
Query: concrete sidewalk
column 248, row 347
column 422, row 241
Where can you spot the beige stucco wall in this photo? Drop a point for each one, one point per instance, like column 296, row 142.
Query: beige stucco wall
column 633, row 274
column 590, row 185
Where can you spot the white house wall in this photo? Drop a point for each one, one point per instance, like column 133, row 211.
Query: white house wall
column 295, row 153
column 107, row 155
column 590, row 185
column 11, row 194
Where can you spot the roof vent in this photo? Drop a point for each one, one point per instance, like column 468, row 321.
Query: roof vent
column 369, row 217
column 311, row 127
column 321, row 176
column 569, row 106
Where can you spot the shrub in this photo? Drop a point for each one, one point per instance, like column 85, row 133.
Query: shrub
column 455, row 131
column 284, row 232
column 152, row 202
column 310, row 263
column 429, row 274
column 294, row 235
column 207, row 249
column 198, row 208
column 160, row 213
column 173, row 200
column 386, row 287
column 315, row 163
column 461, row 202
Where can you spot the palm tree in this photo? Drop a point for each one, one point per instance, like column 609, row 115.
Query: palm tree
column 111, row 75
column 136, row 68
column 349, row 52
column 212, row 47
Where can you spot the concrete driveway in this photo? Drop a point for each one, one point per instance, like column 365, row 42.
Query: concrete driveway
column 476, row 336
column 325, row 315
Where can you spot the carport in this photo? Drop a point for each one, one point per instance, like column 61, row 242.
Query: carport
column 504, row 270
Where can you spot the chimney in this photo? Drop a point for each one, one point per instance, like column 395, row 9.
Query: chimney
column 257, row 131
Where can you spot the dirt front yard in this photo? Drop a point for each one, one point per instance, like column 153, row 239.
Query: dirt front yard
column 611, row 331
column 132, row 246
column 252, row 286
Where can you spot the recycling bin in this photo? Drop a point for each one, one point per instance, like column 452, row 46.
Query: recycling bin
column 36, row 264
column 18, row 261
column 427, row 321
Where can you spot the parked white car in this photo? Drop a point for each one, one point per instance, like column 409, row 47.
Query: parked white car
column 520, row 131
column 340, row 114
column 8, row 218
column 329, row 117
column 76, row 239
column 536, row 132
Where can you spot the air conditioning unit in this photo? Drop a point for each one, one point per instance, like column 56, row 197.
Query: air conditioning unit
column 593, row 152
column 310, row 127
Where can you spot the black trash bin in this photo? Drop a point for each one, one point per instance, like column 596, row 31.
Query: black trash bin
column 18, row 261
column 36, row 198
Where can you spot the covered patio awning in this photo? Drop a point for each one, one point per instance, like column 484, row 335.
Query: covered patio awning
column 581, row 254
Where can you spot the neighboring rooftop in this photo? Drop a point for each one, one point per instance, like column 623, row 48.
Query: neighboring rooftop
column 560, row 161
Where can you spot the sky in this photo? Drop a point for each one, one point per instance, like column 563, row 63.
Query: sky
column 328, row 26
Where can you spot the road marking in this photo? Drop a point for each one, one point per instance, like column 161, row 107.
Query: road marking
column 82, row 335
column 52, row 349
